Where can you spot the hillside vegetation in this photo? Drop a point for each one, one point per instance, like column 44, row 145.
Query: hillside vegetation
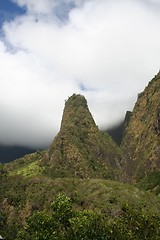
column 141, row 143
column 88, row 170
column 21, row 197
column 80, row 149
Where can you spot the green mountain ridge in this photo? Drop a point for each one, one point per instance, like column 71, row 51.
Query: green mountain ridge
column 87, row 165
column 80, row 149
column 141, row 142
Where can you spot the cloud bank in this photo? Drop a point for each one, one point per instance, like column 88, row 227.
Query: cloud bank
column 107, row 50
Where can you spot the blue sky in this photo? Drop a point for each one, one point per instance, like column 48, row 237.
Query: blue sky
column 8, row 10
column 107, row 50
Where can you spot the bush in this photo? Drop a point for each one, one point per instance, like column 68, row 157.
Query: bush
column 67, row 224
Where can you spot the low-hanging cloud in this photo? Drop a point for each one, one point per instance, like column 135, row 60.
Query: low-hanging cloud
column 105, row 50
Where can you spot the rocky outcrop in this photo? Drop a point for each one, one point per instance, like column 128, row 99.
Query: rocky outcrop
column 80, row 149
column 141, row 143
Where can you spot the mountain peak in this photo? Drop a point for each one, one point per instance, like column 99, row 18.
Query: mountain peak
column 80, row 149
column 76, row 112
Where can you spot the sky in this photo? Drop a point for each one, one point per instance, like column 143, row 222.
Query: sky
column 107, row 50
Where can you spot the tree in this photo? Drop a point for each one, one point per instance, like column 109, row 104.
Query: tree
column 67, row 224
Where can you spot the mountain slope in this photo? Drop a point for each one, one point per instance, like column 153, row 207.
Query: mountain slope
column 79, row 161
column 80, row 149
column 20, row 197
column 141, row 143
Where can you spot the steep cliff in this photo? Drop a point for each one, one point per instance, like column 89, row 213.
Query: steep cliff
column 141, row 143
column 80, row 149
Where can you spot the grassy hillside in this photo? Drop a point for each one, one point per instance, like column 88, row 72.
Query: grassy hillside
column 29, row 165
column 22, row 195
column 151, row 183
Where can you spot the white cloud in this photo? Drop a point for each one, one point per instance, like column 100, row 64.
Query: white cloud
column 46, row 6
column 155, row 2
column 34, row 6
column 111, row 48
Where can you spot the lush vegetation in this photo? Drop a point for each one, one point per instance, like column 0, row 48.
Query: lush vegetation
column 142, row 136
column 29, row 165
column 84, row 164
column 80, row 150
column 64, row 223
column 22, row 197
column 151, row 183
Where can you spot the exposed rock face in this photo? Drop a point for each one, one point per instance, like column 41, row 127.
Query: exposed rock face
column 141, row 143
column 80, row 149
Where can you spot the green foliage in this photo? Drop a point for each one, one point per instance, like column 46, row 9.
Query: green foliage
column 68, row 224
column 31, row 170
column 62, row 210
column 39, row 227
column 151, row 182
column 142, row 134
column 77, row 164
column 21, row 197
column 29, row 165
column 89, row 225
column 80, row 150
column 3, row 171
